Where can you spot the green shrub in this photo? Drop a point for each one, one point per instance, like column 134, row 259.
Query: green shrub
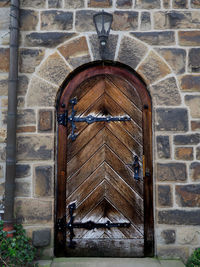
column 16, row 250
column 194, row 259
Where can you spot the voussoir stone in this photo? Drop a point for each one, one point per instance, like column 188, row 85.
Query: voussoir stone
column 34, row 4
column 166, row 93
column 187, row 139
column 176, row 58
column 47, row 39
column 153, row 68
column 76, row 51
column 190, row 83
column 146, row 4
column 73, row 4
column 41, row 93
column 43, row 181
column 29, row 59
column 100, row 3
column 28, row 19
column 35, row 147
column 164, row 196
column 195, row 170
column 188, row 195
column 131, row 51
column 163, row 147
column 84, row 20
column 33, row 210
column 124, row 3
column 194, row 104
column 125, row 21
column 56, row 20
column 171, row 172
column 111, row 46
column 189, row 38
column 194, row 60
column 54, row 69
column 156, row 38
column 55, row 3
column 168, row 119
column 4, row 59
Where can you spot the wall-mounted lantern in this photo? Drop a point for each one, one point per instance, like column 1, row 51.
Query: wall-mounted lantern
column 103, row 21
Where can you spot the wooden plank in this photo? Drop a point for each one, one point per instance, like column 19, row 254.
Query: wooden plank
column 107, row 248
column 87, row 169
column 127, row 88
column 123, row 171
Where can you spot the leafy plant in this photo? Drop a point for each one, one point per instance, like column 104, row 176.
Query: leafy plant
column 194, row 259
column 16, row 250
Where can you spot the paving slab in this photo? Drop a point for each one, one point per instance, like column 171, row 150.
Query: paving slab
column 116, row 262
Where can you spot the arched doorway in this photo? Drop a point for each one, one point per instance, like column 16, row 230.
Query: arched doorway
column 104, row 188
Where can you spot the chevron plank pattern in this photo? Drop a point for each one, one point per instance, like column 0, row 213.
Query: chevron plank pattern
column 100, row 177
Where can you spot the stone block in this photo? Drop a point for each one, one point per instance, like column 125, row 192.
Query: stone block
column 195, row 126
column 41, row 93
column 156, row 38
column 4, row 3
column 188, row 236
column 33, row 4
column 179, row 217
column 76, row 52
column 198, row 153
column 3, row 84
column 163, row 147
column 131, row 52
column 187, row 139
column 28, row 19
column 22, row 188
column 45, row 122
column 173, row 252
column 177, row 20
column 175, row 172
column 26, row 129
column 182, row 4
column 164, row 196
column 100, row 3
column 2, row 189
column 195, row 3
column 176, row 58
column 3, row 135
column 29, row 59
column 55, row 3
column 194, row 105
column 26, row 117
column 189, row 38
column 31, row 210
column 43, row 181
column 84, row 20
column 168, row 119
column 146, row 4
column 166, row 3
column 35, row 147
column 188, row 195
column 41, row 238
column 190, row 83
column 5, row 19
column 1, row 171
column 193, row 60
column 111, row 46
column 145, row 24
column 184, row 153
column 73, row 4
column 4, row 59
column 22, row 85
column 166, row 93
column 56, row 20
column 195, row 171
column 124, row 3
column 47, row 39
column 125, row 21
column 169, row 236
column 54, row 69
column 153, row 68
column 23, row 170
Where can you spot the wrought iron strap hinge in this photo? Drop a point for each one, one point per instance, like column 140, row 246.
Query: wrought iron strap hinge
column 63, row 119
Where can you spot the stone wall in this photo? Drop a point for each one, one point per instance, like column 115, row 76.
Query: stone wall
column 160, row 40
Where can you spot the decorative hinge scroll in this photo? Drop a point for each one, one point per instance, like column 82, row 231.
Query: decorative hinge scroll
column 63, row 118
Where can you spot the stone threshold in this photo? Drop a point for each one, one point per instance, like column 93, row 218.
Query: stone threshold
column 108, row 262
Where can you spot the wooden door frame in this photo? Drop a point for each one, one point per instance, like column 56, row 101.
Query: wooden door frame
column 119, row 70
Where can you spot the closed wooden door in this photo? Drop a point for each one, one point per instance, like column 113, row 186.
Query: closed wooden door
column 101, row 178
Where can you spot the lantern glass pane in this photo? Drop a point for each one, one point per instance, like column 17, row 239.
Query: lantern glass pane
column 99, row 22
